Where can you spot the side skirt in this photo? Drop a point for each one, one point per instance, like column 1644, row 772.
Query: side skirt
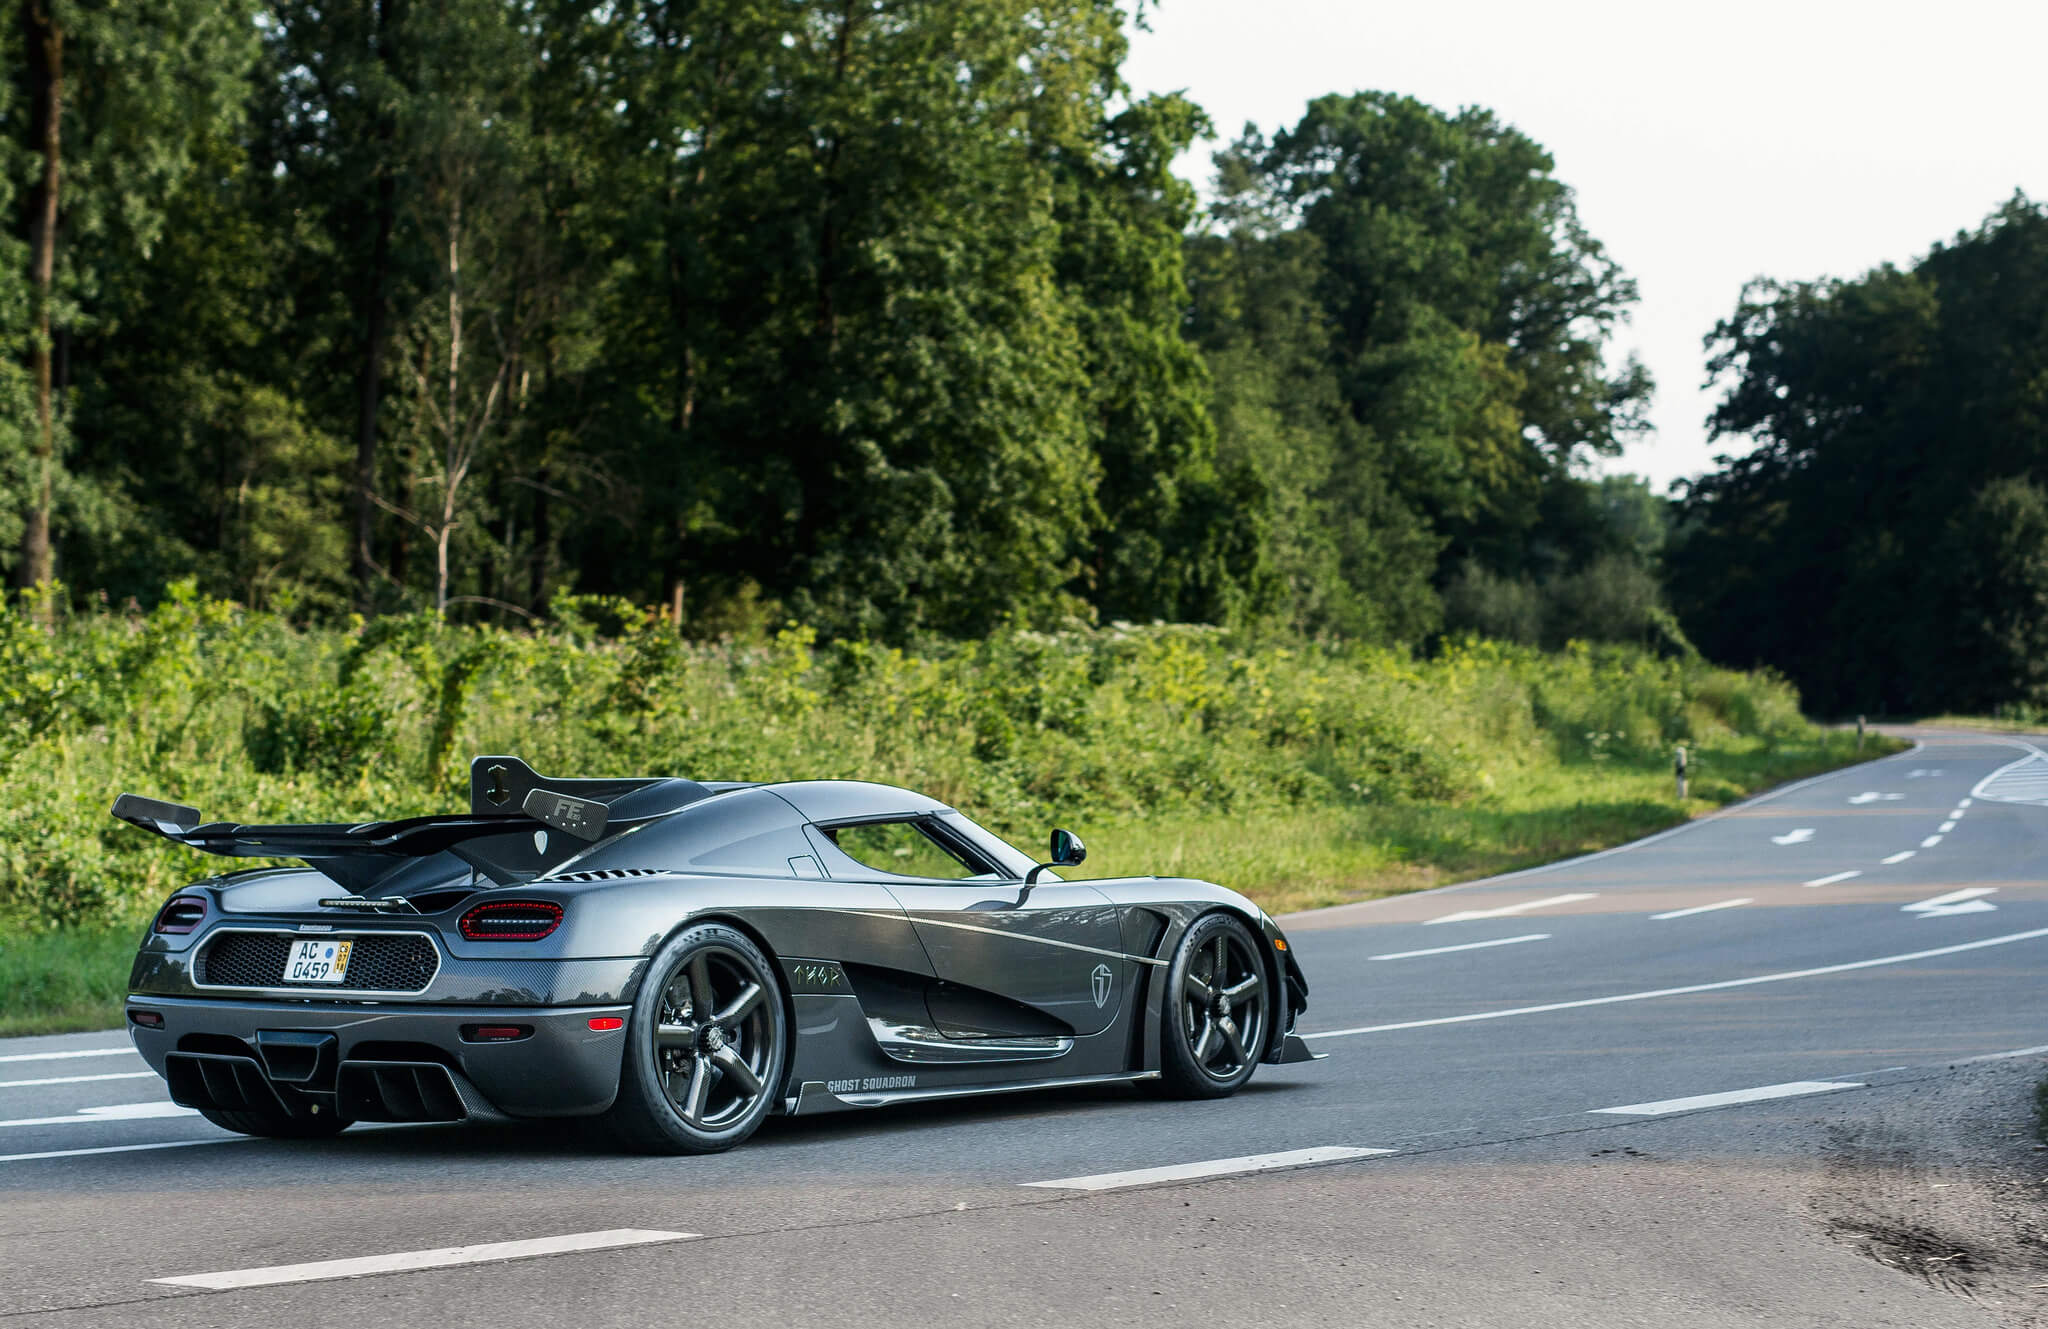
column 815, row 1096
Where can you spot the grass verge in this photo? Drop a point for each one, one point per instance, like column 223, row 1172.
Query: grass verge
column 63, row 981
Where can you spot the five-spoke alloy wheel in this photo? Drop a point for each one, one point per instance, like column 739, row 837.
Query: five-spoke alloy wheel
column 1217, row 1007
column 705, row 1047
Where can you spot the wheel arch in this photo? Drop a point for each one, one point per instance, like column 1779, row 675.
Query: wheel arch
column 753, row 934
column 1156, row 1004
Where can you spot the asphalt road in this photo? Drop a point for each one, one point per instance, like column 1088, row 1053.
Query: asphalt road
column 1733, row 954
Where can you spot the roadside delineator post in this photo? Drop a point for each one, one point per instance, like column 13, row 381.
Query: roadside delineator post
column 1678, row 766
column 1859, row 733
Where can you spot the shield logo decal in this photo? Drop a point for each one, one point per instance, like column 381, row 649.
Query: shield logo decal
column 540, row 842
column 1100, row 985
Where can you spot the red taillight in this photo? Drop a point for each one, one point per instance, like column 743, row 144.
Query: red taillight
column 495, row 1033
column 180, row 914
column 604, row 1024
column 511, row 920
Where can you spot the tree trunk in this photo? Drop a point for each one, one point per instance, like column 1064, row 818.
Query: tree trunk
column 376, row 317
column 45, row 42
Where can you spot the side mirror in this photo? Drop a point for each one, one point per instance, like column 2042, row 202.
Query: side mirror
column 1067, row 851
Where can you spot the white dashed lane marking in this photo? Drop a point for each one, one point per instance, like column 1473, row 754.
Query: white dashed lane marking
column 1468, row 946
column 1760, row 1094
column 117, row 1112
column 1839, row 876
column 78, row 1079
column 1703, row 909
column 406, row 1261
column 66, row 1056
column 1899, row 857
column 1467, row 915
column 1215, row 1167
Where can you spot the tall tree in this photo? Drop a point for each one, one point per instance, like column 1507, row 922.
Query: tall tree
column 1893, row 416
column 108, row 104
column 1470, row 308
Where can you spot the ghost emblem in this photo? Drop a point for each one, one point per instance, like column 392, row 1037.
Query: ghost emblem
column 540, row 842
column 1100, row 984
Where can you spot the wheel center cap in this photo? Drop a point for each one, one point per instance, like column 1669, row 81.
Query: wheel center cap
column 714, row 1038
column 1222, row 1005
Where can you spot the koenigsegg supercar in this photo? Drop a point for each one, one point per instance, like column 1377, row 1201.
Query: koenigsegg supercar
column 683, row 959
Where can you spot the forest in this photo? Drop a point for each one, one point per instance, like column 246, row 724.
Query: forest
column 891, row 319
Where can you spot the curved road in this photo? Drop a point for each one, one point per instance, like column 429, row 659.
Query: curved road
column 1813, row 955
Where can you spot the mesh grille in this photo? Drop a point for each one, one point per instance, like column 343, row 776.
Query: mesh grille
column 379, row 962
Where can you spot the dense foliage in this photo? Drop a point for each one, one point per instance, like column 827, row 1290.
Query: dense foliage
column 242, row 715
column 888, row 315
column 1886, row 545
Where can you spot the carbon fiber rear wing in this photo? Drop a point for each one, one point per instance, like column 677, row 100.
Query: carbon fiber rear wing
column 508, row 847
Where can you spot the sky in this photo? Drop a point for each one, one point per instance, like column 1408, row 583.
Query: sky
column 1708, row 144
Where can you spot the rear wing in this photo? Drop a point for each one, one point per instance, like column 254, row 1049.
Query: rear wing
column 507, row 847
column 520, row 824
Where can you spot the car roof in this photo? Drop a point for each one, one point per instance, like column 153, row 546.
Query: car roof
column 842, row 800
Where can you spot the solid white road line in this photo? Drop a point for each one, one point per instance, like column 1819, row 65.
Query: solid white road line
column 1688, row 990
column 65, row 1056
column 1899, row 857
column 78, row 1079
column 122, row 1148
column 1829, row 881
column 1758, row 1095
column 1930, row 842
column 1703, row 909
column 1946, row 826
column 1467, row 915
column 405, row 1261
column 1215, row 1167
column 118, row 1112
column 1468, row 946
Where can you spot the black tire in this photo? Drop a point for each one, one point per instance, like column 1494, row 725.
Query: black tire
column 277, row 1125
column 1214, row 1033
column 695, row 1086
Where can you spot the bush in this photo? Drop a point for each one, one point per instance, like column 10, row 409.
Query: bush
column 241, row 715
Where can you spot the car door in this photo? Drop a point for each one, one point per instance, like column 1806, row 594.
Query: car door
column 1054, row 948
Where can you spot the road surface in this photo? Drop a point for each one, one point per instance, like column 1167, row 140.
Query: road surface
column 1587, row 1094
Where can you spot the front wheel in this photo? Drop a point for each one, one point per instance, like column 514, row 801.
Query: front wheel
column 1217, row 1008
column 705, row 1046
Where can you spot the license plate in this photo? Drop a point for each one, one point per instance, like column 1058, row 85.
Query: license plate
column 319, row 960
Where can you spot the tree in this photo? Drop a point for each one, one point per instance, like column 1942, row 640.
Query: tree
column 109, row 103
column 1469, row 307
column 1894, row 416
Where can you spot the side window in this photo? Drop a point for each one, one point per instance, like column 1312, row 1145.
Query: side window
column 905, row 849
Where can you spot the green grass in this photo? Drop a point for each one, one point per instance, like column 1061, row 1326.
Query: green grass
column 66, row 980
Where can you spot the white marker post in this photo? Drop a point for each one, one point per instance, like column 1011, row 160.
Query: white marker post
column 1679, row 767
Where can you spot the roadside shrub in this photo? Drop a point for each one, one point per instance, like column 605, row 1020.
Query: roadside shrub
column 242, row 715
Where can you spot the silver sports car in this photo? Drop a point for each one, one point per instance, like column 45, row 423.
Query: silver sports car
column 681, row 959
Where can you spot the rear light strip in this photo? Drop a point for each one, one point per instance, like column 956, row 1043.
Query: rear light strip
column 511, row 920
column 180, row 914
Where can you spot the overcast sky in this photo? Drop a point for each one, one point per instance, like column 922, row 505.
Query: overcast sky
column 1708, row 143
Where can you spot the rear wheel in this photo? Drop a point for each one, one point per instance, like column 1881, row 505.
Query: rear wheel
column 1216, row 1010
column 276, row 1125
column 705, row 1046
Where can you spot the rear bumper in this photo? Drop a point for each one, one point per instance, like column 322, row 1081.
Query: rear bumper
column 381, row 1062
